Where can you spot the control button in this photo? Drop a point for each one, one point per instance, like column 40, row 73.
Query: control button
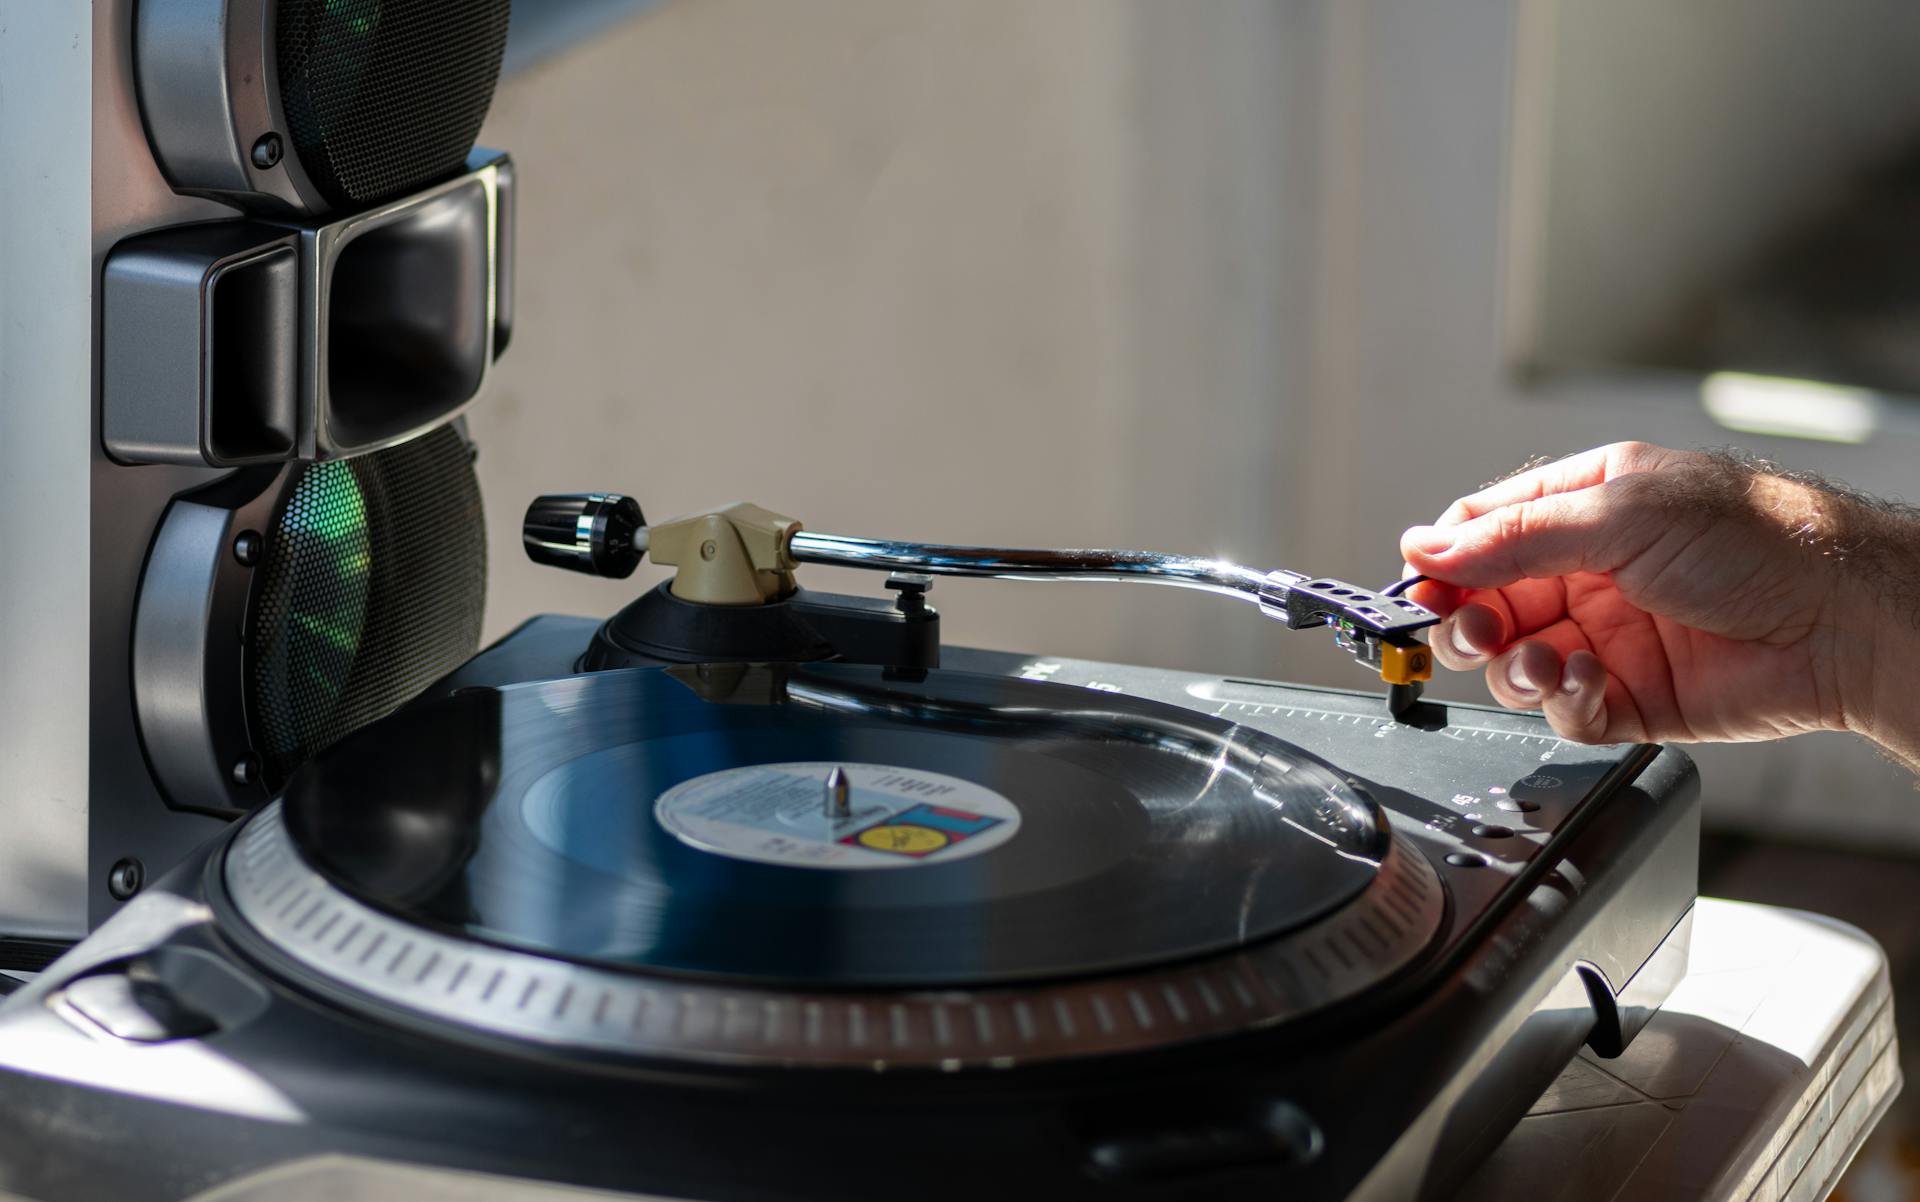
column 138, row 1011
column 1487, row 830
column 1466, row 859
column 1517, row 805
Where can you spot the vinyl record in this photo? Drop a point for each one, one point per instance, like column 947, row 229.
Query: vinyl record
column 831, row 825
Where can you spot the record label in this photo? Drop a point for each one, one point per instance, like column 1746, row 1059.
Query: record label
column 780, row 814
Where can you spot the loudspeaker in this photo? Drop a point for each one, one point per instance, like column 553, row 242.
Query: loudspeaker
column 321, row 346
column 315, row 106
column 281, row 609
column 236, row 423
column 334, row 334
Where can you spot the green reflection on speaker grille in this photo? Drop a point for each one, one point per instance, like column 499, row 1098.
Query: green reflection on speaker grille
column 358, row 15
column 315, row 599
column 371, row 587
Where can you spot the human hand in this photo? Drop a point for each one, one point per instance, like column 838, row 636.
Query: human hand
column 1639, row 594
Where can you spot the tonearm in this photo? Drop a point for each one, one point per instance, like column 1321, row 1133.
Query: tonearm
column 743, row 555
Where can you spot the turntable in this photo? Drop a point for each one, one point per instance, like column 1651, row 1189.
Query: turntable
column 752, row 893
column 748, row 892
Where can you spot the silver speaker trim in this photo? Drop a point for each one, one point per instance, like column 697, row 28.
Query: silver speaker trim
column 186, row 643
column 491, row 172
column 375, row 957
column 209, row 81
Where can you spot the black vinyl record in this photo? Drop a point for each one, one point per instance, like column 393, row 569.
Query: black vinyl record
column 682, row 820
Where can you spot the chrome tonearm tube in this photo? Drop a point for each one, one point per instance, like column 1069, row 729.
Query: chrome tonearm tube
column 1150, row 567
column 1293, row 597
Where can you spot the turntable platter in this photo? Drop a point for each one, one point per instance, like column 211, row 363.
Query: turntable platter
column 651, row 863
column 994, row 829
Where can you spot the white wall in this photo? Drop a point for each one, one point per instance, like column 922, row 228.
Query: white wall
column 985, row 271
column 1221, row 276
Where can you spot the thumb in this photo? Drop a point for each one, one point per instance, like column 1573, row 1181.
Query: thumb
column 1591, row 530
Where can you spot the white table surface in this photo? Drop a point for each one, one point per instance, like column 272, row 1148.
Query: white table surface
column 1756, row 1082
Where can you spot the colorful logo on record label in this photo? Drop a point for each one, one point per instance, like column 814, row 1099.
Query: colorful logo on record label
column 922, row 830
column 781, row 814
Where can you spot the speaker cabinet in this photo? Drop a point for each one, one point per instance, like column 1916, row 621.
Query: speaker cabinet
column 317, row 350
column 253, row 268
column 307, row 107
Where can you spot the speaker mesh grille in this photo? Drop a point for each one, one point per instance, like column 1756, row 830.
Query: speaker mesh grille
column 382, row 96
column 370, row 589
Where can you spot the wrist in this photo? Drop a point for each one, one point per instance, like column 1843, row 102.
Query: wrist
column 1875, row 639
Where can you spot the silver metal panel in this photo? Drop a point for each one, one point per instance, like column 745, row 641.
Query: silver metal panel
column 169, row 644
column 130, row 195
column 153, row 386
column 116, row 510
column 183, row 74
column 46, row 339
column 161, row 336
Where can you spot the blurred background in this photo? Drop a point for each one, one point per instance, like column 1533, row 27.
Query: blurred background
column 1267, row 279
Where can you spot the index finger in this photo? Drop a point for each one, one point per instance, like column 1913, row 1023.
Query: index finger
column 1568, row 474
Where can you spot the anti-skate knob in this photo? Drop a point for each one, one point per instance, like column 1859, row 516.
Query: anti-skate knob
column 600, row 533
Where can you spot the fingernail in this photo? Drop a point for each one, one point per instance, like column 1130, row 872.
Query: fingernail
column 1428, row 540
column 1517, row 676
column 1569, row 685
column 1458, row 638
